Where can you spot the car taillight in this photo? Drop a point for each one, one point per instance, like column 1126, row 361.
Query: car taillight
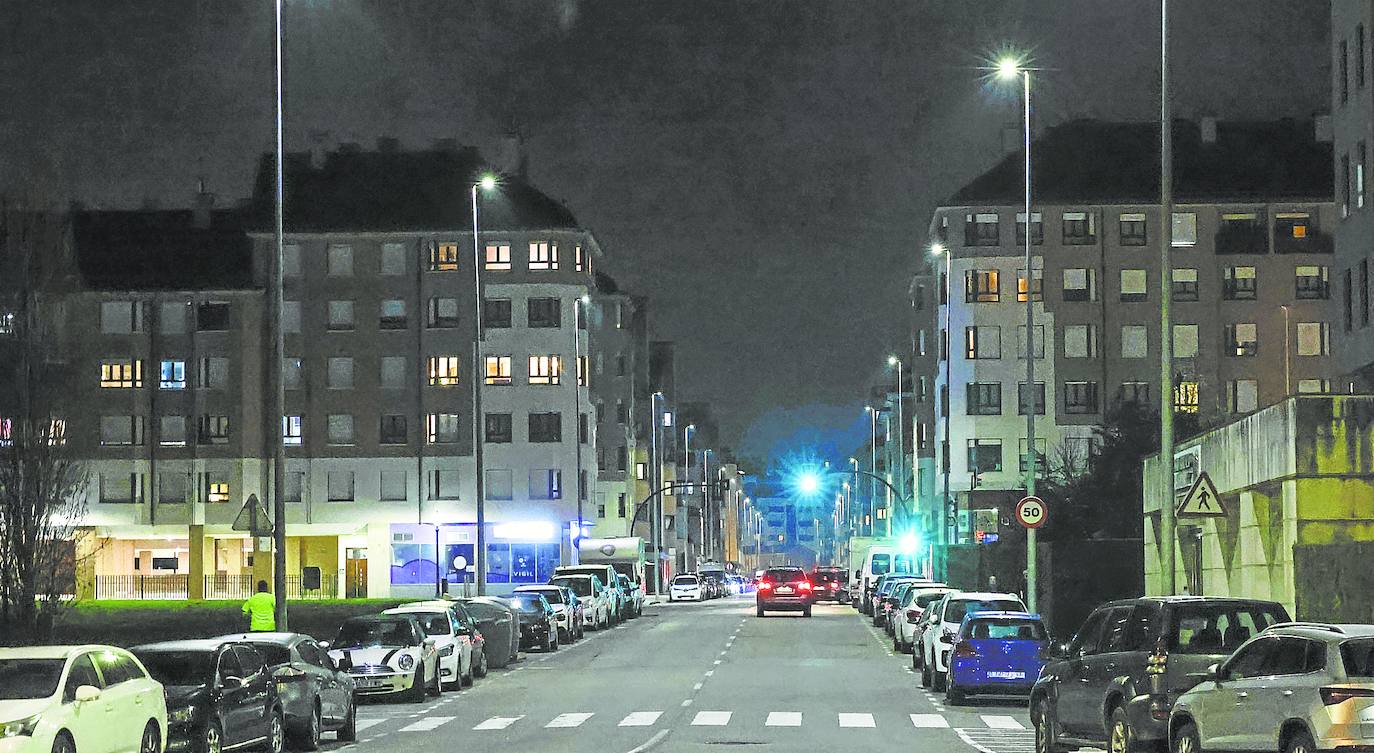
column 765, row 586
column 1333, row 696
column 1158, row 661
column 965, row 649
column 913, row 615
column 804, row 585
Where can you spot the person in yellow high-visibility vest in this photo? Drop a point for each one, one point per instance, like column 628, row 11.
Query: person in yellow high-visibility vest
column 261, row 610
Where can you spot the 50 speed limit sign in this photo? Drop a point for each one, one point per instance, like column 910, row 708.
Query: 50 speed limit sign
column 1031, row 512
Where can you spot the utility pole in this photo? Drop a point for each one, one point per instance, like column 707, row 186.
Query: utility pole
column 1166, row 340
column 279, row 349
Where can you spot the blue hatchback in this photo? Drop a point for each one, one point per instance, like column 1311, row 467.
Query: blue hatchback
column 996, row 653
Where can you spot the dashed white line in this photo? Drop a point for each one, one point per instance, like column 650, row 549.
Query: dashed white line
column 710, row 673
column 697, row 686
column 640, row 719
column 783, row 719
column 499, row 722
column 933, row 721
column 568, row 720
column 1002, row 722
column 366, row 723
column 711, row 719
column 857, row 720
column 427, row 724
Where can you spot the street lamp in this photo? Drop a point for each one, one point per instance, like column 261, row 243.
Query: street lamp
column 945, row 519
column 579, row 376
column 656, row 510
column 279, row 342
column 487, row 183
column 896, row 363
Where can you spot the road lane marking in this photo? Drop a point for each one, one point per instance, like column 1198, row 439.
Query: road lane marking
column 783, row 719
column 367, row 723
column 568, row 720
column 651, row 742
column 710, row 673
column 1002, row 722
column 499, row 722
column 929, row 721
column 427, row 724
column 717, row 661
column 640, row 719
column 697, row 686
column 687, row 702
column 711, row 719
column 857, row 720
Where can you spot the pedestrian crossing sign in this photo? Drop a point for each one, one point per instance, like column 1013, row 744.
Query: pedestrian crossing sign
column 1202, row 499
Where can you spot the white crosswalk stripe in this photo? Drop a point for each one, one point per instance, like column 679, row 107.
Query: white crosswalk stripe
column 783, row 719
column 568, row 720
column 711, row 719
column 499, row 722
column 640, row 719
column 427, row 724
column 933, row 721
column 1002, row 722
column 366, row 723
column 857, row 720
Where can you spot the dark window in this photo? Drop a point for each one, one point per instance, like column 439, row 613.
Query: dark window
column 1359, row 55
column 229, row 665
column 81, row 673
column 544, row 312
column 1089, row 636
column 393, row 429
column 1118, row 624
column 981, row 230
column 496, row 313
column 1358, row 657
column 1184, row 285
column 984, row 398
column 1022, row 395
column 1364, row 292
column 1037, row 229
column 1134, row 392
column 212, row 316
column 1242, row 233
column 250, row 659
column 1288, row 657
column 582, row 428
column 1080, row 228
column 984, row 455
column 1240, row 284
column 1312, row 283
column 1344, row 66
column 1133, row 230
column 117, row 668
column 1080, row 397
column 1219, row 628
column 498, row 428
column 546, row 427
column 1296, row 233
column 311, row 654
column 1349, row 309
column 1250, row 661
column 443, row 313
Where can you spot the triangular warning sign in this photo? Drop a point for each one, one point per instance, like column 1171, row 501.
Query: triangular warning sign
column 1202, row 499
column 253, row 518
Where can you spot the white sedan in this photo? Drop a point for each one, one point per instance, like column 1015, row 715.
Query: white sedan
column 388, row 654
column 79, row 699
column 685, row 588
column 453, row 641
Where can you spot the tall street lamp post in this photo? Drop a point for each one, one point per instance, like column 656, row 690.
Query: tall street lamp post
column 656, row 510
column 686, row 473
column 1166, row 332
column 945, row 519
column 487, row 183
column 896, row 363
column 580, row 378
column 279, row 344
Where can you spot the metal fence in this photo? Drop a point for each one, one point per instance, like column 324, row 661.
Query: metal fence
column 217, row 586
column 141, row 587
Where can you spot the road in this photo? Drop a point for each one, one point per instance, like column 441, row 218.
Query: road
column 699, row 677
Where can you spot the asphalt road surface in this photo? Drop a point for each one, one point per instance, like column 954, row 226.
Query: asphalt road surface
column 702, row 677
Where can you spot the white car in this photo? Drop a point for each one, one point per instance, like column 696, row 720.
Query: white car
column 909, row 614
column 79, row 699
column 938, row 639
column 685, row 588
column 451, row 638
column 567, row 631
column 387, row 654
column 597, row 602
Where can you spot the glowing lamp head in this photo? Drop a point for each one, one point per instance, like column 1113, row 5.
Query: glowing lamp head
column 892, row 361
column 488, row 182
column 908, row 544
column 585, row 299
column 937, row 249
column 809, row 483
column 1008, row 68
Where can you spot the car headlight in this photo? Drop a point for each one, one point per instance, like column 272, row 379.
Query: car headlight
column 446, row 650
column 19, row 727
column 405, row 661
column 181, row 715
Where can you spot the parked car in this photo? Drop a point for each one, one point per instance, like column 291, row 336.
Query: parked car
column 480, row 655
column 686, row 587
column 1115, row 682
column 499, row 626
column 386, row 654
column 937, row 641
column 908, row 618
column 219, row 693
column 784, row 589
column 885, row 586
column 892, row 603
column 316, row 695
column 1000, row 653
column 538, row 623
column 566, row 617
column 1294, row 688
column 831, row 583
column 610, row 586
column 597, row 602
column 451, row 638
column 49, row 697
column 634, row 592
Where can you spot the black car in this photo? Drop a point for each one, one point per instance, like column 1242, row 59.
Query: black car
column 783, row 589
column 831, row 583
column 315, row 694
column 220, row 696
column 499, row 625
column 1116, row 681
column 538, row 624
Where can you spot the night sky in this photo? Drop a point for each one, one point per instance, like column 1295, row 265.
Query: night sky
column 765, row 171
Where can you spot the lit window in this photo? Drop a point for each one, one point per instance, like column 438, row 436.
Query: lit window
column 641, row 471
column 442, row 428
column 1242, row 339
column 1037, row 285
column 443, row 257
column 443, row 371
column 172, row 375
column 1314, row 339
column 579, row 262
column 498, row 257
column 582, row 371
column 543, row 255
column 1186, row 397
column 498, row 370
column 6, row 323
column 546, row 369
column 291, row 431
column 982, row 286
column 216, row 491
column 119, row 374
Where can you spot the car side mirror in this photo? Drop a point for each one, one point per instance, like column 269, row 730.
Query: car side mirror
column 1213, row 674
column 947, row 638
column 86, row 694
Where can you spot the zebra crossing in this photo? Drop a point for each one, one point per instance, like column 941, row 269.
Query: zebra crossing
column 990, row 723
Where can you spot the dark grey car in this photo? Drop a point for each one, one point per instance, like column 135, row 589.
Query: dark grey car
column 315, row 694
column 500, row 625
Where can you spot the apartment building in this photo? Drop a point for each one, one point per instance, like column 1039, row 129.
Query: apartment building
column 619, row 332
column 1352, row 119
column 1252, row 260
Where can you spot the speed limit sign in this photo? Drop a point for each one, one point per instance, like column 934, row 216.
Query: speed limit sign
column 1031, row 512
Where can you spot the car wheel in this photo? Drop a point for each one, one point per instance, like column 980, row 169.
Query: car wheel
column 1121, row 736
column 63, row 744
column 1300, row 742
column 481, row 670
column 925, row 675
column 896, row 644
column 151, row 741
column 1187, row 740
column 437, row 689
column 1046, row 727
column 349, row 731
column 954, row 696
column 276, row 733
column 466, row 680
column 758, row 610
column 309, row 738
column 937, row 681
column 211, row 738
column 416, row 694
column 806, row 612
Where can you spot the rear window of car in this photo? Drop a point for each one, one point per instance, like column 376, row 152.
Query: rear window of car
column 924, row 600
column 1003, row 630
column 274, row 654
column 685, row 580
column 881, row 564
column 1219, row 627
column 785, row 575
column 579, row 586
column 1358, row 657
column 830, row 576
column 957, row 608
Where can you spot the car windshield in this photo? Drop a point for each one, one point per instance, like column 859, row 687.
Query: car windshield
column 434, row 623
column 959, row 607
column 881, row 564
column 182, row 668
column 22, row 679
column 1219, row 627
column 551, row 595
column 1358, row 657
column 527, row 604
column 685, row 580
column 370, row 633
column 273, row 653
column 785, row 575
column 924, row 600
column 1004, row 630
column 830, row 576
column 579, row 586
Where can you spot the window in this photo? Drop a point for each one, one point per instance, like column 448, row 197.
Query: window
column 1037, row 285
column 1133, row 282
column 340, row 261
column 1184, row 286
column 1186, row 398
column 443, row 484
column 216, row 488
column 1080, row 228
column 1359, row 55
column 1038, row 344
column 121, row 431
column 499, row 428
column 393, row 372
column 496, row 313
column 1184, row 230
column 582, row 371
column 1135, row 341
column 171, row 431
column 212, row 316
column 546, row 483
column 544, row 312
column 498, row 370
column 641, row 471
column 121, row 373
column 622, row 413
column 620, row 364
column 171, row 319
column 1364, row 292
column 1312, row 283
column 443, row 371
column 1080, row 397
column 543, row 255
column 214, row 373
column 982, row 342
column 214, row 429
column 393, row 429
column 1134, row 392
column 1239, row 284
column 339, row 486
column 579, row 259
column 1185, row 341
column 1294, row 233
column 392, row 314
column 981, row 286
column 1360, row 156
column 121, row 317
column 1080, row 341
column 1079, row 285
column 171, row 487
column 1241, row 233
column 172, row 375
column 1314, row 386
column 1345, row 185
column 443, row 313
column 120, row 488
column 1037, row 229
column 984, row 398
column 291, row 317
column 340, row 315
column 292, row 373
column 500, row 484
column 1242, row 339
column 291, row 431
column 1314, row 339
column 1343, row 65
column 393, row 259
column 393, row 486
column 340, row 428
column 498, row 257
column 341, row 373
column 1242, row 395
column 290, row 260
column 546, row 427
column 984, row 455
column 1023, row 397
column 1042, row 465
column 293, row 486
column 1133, row 229
column 442, row 428
column 981, row 230
column 546, row 370
column 443, row 257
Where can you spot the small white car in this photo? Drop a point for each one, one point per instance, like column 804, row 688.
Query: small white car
column 597, row 602
column 79, row 699
column 686, row 587
column 567, row 631
column 387, row 654
column 908, row 616
column 938, row 639
column 451, row 638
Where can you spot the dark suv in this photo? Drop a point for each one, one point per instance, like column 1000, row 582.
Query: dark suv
column 220, row 696
column 831, row 583
column 784, row 589
column 1115, row 682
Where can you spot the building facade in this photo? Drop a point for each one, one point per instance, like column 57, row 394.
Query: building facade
column 1352, row 120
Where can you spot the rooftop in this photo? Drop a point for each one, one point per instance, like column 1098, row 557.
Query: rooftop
column 162, row 250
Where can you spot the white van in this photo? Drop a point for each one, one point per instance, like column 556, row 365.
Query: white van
column 880, row 560
column 609, row 581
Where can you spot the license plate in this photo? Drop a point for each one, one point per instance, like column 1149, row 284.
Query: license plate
column 1007, row 675
column 371, row 682
column 785, row 590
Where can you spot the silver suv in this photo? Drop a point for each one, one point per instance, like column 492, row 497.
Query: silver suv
column 1297, row 687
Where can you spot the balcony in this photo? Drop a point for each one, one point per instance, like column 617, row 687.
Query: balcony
column 1242, row 237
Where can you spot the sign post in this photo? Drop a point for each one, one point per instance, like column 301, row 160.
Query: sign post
column 1031, row 512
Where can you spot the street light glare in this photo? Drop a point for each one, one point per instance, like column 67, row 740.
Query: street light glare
column 809, row 483
column 488, row 182
column 1008, row 68
column 892, row 361
column 937, row 249
column 909, row 543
